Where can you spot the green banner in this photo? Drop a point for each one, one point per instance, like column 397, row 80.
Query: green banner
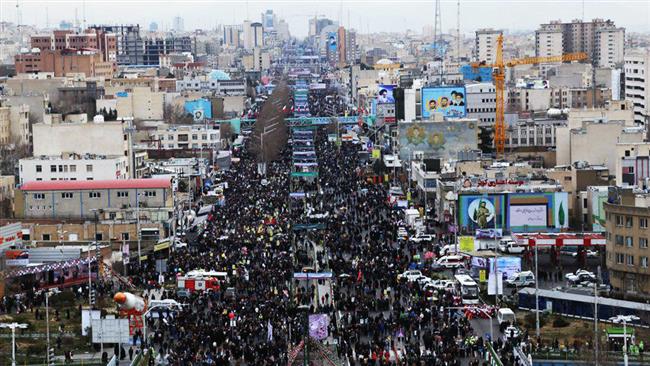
column 304, row 174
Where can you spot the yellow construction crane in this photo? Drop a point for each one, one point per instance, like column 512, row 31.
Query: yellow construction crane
column 498, row 75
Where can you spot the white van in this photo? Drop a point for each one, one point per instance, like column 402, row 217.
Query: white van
column 521, row 279
column 506, row 315
column 451, row 261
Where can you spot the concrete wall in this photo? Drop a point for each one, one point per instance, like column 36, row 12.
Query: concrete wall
column 82, row 138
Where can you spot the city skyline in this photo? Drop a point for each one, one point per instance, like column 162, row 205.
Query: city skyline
column 199, row 14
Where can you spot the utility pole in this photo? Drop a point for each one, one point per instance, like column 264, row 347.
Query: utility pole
column 596, row 333
column 13, row 327
column 536, row 293
column 458, row 40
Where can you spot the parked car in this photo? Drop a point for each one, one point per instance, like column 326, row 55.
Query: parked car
column 410, row 276
column 451, row 261
column 423, row 280
column 580, row 276
column 511, row 247
column 521, row 279
column 422, row 238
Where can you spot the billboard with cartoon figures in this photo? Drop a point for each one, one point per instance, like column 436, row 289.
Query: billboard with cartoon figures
column 514, row 212
column 450, row 101
column 437, row 139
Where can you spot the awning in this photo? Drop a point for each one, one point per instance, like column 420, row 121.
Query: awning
column 49, row 267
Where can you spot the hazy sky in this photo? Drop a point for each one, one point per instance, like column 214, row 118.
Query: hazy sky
column 364, row 15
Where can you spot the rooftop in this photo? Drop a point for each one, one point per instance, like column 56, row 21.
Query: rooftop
column 67, row 185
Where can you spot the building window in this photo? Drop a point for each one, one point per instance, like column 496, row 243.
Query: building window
column 67, row 195
column 39, row 196
column 73, row 168
column 122, row 194
column 46, row 237
column 98, row 236
column 89, row 168
column 629, row 259
column 125, row 236
column 619, row 239
column 52, row 168
column 60, row 168
column 619, row 220
column 628, row 221
column 94, row 194
column 643, row 243
column 150, row 193
column 643, row 223
column 644, row 262
column 39, row 168
column 620, row 258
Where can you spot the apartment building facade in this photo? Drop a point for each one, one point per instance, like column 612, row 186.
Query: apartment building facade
column 637, row 83
column 628, row 254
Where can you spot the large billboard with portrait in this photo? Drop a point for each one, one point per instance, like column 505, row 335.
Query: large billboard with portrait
column 481, row 212
column 514, row 212
column 442, row 140
column 448, row 100
column 385, row 94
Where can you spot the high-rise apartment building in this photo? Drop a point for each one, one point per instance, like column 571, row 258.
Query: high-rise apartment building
column 178, row 25
column 485, row 45
column 600, row 39
column 253, row 34
column 232, row 35
column 130, row 46
column 637, row 83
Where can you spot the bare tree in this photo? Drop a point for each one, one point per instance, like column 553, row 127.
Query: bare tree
column 175, row 115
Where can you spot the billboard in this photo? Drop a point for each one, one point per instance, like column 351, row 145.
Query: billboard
column 481, row 212
column 598, row 197
column 385, row 94
column 331, row 41
column 442, row 140
column 450, row 101
column 538, row 211
column 199, row 109
column 515, row 212
column 506, row 266
column 16, row 257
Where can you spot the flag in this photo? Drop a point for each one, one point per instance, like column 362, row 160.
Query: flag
column 359, row 276
column 318, row 324
column 269, row 331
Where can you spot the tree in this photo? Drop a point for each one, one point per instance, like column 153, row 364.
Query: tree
column 175, row 115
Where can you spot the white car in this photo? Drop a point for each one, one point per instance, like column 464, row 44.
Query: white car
column 580, row 276
column 422, row 238
column 444, row 285
column 510, row 333
column 410, row 276
column 423, row 280
column 449, row 249
column 511, row 247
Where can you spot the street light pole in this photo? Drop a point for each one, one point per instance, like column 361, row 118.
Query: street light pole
column 13, row 327
column 537, row 333
column 47, row 324
column 624, row 319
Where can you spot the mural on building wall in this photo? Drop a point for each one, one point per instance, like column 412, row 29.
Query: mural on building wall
column 437, row 139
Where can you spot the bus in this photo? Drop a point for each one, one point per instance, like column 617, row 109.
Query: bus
column 468, row 289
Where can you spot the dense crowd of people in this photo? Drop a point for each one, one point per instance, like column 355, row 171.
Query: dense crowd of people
column 374, row 317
